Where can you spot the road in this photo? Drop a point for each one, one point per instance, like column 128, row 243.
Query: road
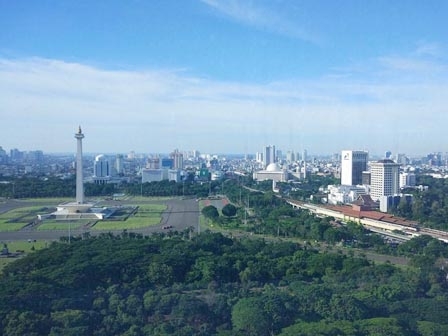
column 180, row 214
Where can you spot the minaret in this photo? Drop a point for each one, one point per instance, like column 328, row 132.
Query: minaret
column 79, row 176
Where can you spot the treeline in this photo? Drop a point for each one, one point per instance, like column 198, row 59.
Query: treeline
column 32, row 187
column 269, row 214
column 35, row 187
column 213, row 285
column 170, row 188
column 429, row 207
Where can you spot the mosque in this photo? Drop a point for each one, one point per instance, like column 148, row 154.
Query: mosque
column 272, row 172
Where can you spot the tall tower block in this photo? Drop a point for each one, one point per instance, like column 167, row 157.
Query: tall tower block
column 79, row 175
column 353, row 163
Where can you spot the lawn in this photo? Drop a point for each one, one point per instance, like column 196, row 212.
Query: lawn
column 146, row 215
column 16, row 219
column 25, row 246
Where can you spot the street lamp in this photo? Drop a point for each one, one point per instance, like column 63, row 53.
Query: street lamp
column 222, row 186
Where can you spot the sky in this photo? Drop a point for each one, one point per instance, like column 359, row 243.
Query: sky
column 224, row 76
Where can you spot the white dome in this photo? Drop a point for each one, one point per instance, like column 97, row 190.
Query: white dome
column 273, row 167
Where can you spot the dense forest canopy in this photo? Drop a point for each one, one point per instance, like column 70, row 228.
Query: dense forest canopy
column 209, row 284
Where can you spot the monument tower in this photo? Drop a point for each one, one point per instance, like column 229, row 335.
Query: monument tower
column 79, row 175
column 79, row 209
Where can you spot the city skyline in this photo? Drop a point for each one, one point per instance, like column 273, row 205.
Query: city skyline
column 224, row 76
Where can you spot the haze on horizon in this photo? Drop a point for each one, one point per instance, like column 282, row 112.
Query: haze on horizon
column 224, row 76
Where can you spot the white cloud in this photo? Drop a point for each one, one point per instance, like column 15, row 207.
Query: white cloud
column 429, row 49
column 43, row 101
column 247, row 13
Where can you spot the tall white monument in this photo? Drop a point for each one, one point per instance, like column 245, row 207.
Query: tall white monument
column 79, row 209
column 79, row 176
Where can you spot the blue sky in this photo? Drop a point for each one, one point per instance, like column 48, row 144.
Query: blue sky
column 224, row 76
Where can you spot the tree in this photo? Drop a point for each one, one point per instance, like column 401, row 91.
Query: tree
column 249, row 316
column 210, row 212
column 381, row 326
column 229, row 210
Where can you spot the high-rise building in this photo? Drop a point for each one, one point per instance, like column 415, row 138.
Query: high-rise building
column 402, row 159
column 407, row 180
column 178, row 159
column 269, row 155
column 16, row 155
column 353, row 163
column 119, row 165
column 3, row 155
column 366, row 177
column 278, row 155
column 101, row 169
column 385, row 179
column 153, row 163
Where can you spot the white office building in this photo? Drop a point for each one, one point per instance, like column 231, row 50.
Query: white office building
column 101, row 169
column 385, row 179
column 353, row 163
column 154, row 175
column 174, row 175
column 290, row 156
column 345, row 194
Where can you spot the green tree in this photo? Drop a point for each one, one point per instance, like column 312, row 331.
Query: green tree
column 249, row 317
column 229, row 210
column 210, row 212
column 381, row 326
column 432, row 329
column 69, row 322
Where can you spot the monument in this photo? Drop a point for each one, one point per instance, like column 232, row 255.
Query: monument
column 79, row 206
column 78, row 209
column 79, row 173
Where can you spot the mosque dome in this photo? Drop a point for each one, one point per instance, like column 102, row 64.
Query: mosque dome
column 273, row 167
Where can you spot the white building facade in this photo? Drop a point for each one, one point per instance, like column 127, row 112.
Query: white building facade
column 273, row 172
column 385, row 179
column 345, row 194
column 154, row 175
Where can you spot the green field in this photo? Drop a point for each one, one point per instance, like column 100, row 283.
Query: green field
column 146, row 215
column 20, row 246
column 16, row 219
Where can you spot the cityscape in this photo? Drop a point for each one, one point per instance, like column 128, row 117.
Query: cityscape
column 357, row 171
